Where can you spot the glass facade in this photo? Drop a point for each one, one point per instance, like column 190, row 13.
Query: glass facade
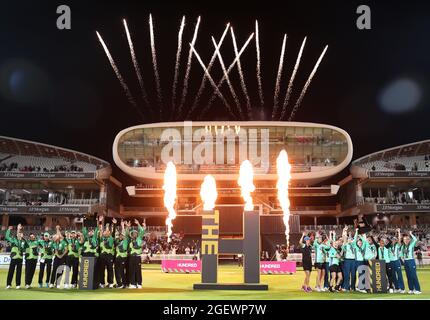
column 309, row 148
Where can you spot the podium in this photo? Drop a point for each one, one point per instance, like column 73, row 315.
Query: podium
column 86, row 273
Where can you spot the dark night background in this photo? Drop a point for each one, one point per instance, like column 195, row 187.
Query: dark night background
column 57, row 87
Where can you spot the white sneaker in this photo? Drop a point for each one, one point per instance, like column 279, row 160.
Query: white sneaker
column 8, row 287
column 391, row 291
column 411, row 292
column 110, row 286
column 51, row 286
column 362, row 291
column 401, row 291
column 58, row 286
column 73, row 286
column 27, row 286
column 101, row 286
column 18, row 287
column 317, row 289
column 325, row 289
column 66, row 286
column 132, row 286
column 417, row 292
column 139, row 286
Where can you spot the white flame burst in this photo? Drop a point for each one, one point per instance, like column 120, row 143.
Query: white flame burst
column 208, row 192
column 283, row 168
column 245, row 181
column 169, row 188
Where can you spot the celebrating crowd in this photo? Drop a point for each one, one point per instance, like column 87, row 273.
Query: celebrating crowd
column 116, row 249
column 337, row 260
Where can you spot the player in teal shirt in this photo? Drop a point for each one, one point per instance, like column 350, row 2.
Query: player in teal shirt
column 359, row 244
column 407, row 249
column 384, row 254
column 394, row 251
column 348, row 250
column 320, row 248
column 334, row 258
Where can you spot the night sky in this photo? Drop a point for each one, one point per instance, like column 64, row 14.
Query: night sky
column 57, row 87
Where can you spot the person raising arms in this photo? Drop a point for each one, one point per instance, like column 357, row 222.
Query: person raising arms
column 306, row 249
column 135, row 261
column 348, row 250
column 60, row 249
column 16, row 255
column 46, row 250
column 121, row 255
column 409, row 242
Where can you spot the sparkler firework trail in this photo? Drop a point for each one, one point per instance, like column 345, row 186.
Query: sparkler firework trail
column 177, row 109
column 136, row 66
column 306, row 86
column 204, row 79
column 217, row 92
column 211, row 101
column 177, row 62
column 239, row 69
column 258, row 68
column 188, row 70
column 278, row 78
column 154, row 63
column 290, row 84
column 227, row 78
column 119, row 76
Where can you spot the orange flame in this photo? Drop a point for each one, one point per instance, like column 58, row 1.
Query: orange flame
column 208, row 192
column 245, row 181
column 283, row 168
column 169, row 188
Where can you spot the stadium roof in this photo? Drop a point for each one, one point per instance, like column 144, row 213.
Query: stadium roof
column 13, row 146
column 406, row 150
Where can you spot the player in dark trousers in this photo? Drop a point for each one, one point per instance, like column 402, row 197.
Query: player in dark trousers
column 408, row 247
column 396, row 266
column 306, row 249
column 89, row 241
column 46, row 250
column 107, row 252
column 16, row 255
column 72, row 258
column 31, row 256
column 349, row 255
column 121, row 256
column 60, row 253
column 135, row 262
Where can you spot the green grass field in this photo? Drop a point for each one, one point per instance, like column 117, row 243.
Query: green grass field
column 164, row 286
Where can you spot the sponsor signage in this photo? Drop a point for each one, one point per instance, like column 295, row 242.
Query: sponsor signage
column 403, row 208
column 399, row 174
column 277, row 267
column 64, row 209
column 378, row 276
column 181, row 266
column 86, row 273
column 47, row 175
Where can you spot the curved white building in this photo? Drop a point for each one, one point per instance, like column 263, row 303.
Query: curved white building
column 316, row 151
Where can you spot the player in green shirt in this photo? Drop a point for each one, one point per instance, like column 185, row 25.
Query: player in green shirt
column 72, row 258
column 107, row 252
column 60, row 252
column 16, row 255
column 31, row 256
column 135, row 259
column 121, row 255
column 46, row 250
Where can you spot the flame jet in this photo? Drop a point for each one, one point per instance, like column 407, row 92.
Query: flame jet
column 283, row 168
column 169, row 188
column 208, row 193
column 245, row 181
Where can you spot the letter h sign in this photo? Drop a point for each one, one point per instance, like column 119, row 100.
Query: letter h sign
column 212, row 245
